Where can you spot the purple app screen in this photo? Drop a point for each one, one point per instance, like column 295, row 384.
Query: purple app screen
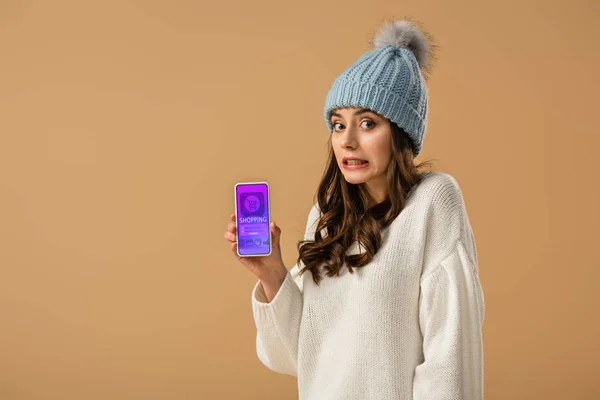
column 253, row 218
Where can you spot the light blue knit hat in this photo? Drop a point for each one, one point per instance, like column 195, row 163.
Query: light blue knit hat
column 390, row 79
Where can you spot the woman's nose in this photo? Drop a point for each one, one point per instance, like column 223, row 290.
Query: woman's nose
column 348, row 140
column 349, row 145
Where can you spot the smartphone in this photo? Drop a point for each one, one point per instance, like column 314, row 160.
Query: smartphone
column 252, row 219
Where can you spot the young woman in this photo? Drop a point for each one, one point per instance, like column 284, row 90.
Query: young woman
column 384, row 301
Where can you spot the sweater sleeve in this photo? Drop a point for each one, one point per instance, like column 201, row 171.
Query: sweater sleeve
column 451, row 313
column 278, row 322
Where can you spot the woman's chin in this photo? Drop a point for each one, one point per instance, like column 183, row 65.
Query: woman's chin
column 352, row 178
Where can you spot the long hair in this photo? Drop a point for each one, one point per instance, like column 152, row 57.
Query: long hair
column 347, row 216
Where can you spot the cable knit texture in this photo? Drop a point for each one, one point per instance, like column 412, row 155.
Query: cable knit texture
column 408, row 325
column 388, row 81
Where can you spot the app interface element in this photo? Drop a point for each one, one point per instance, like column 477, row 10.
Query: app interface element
column 253, row 219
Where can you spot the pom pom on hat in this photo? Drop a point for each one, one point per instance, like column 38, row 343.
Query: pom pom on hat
column 406, row 33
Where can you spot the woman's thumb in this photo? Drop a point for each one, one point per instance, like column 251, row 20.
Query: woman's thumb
column 276, row 233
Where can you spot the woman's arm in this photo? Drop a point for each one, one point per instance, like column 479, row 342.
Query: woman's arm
column 451, row 313
column 277, row 315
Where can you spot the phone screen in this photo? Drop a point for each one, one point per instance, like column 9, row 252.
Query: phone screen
column 253, row 217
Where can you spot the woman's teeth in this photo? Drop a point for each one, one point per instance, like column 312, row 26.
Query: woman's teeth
column 355, row 162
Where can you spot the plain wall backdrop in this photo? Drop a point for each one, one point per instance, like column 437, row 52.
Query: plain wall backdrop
column 124, row 126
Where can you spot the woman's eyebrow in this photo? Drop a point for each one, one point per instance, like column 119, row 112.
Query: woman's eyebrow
column 357, row 112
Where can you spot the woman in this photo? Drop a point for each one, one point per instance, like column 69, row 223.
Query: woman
column 384, row 301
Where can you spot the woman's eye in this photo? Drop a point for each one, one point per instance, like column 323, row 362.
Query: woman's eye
column 369, row 122
column 371, row 125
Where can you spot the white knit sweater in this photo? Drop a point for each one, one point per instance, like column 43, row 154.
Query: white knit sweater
column 408, row 325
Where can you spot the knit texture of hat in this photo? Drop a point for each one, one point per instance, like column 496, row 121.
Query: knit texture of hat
column 389, row 79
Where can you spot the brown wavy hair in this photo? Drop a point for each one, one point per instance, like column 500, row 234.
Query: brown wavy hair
column 346, row 213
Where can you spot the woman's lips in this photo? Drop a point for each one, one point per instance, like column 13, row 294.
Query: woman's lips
column 356, row 166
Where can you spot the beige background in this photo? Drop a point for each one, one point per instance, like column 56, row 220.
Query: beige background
column 125, row 124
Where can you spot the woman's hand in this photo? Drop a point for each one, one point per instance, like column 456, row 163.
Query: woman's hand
column 267, row 268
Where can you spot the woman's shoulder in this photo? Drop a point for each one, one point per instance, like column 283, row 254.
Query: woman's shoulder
column 441, row 199
column 438, row 186
column 440, row 196
column 441, row 207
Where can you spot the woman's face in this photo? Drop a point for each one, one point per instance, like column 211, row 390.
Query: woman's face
column 363, row 134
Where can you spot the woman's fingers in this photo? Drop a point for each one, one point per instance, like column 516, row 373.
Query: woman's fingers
column 230, row 236
column 231, row 227
column 230, row 233
column 234, row 251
